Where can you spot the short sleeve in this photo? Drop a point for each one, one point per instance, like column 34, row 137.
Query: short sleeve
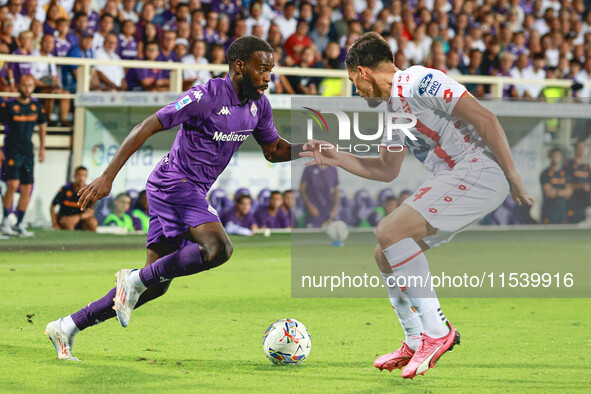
column 265, row 132
column 192, row 107
column 334, row 178
column 3, row 113
column 544, row 178
column 41, row 118
column 59, row 197
column 306, row 175
column 435, row 90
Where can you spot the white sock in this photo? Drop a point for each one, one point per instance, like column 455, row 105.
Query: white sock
column 68, row 326
column 411, row 268
column 136, row 281
column 409, row 320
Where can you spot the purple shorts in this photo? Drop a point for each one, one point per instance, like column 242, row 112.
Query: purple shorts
column 174, row 207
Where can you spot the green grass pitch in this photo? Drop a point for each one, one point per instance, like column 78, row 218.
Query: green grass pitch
column 205, row 334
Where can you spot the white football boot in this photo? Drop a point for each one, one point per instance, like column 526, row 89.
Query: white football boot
column 126, row 296
column 62, row 343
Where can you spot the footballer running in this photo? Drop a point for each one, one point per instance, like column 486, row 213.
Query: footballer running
column 466, row 150
column 185, row 234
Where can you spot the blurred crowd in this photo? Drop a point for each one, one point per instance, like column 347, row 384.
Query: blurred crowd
column 521, row 38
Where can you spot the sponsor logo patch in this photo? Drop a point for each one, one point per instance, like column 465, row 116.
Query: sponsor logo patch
column 182, row 102
column 233, row 136
column 212, row 210
column 425, row 83
column 434, row 88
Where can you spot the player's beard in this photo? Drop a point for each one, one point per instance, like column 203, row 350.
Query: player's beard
column 247, row 88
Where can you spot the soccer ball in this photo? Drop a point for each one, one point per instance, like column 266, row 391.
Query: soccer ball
column 287, row 341
column 337, row 231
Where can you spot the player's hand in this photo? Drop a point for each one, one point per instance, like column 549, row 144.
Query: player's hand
column 91, row 193
column 313, row 211
column 322, row 153
column 41, row 155
column 518, row 192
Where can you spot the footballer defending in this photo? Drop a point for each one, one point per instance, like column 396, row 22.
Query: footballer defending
column 185, row 234
column 466, row 150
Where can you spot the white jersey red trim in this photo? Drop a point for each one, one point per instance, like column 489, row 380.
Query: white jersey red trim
column 442, row 139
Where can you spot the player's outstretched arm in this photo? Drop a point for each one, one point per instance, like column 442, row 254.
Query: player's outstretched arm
column 488, row 127
column 101, row 186
column 384, row 168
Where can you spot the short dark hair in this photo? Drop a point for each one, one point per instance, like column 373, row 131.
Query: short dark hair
column 241, row 197
column 106, row 15
column 369, row 50
column 80, row 168
column 124, row 194
column 244, row 47
column 275, row 192
column 554, row 150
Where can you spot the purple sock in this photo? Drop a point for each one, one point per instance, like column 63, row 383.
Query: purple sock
column 95, row 312
column 186, row 261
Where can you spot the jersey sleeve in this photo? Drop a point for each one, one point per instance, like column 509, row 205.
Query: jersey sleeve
column 3, row 113
column 265, row 132
column 59, row 197
column 544, row 178
column 435, row 90
column 193, row 107
column 41, row 118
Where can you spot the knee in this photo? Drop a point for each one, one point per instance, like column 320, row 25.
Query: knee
column 218, row 253
column 385, row 235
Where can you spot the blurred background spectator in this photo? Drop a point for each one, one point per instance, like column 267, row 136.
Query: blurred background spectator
column 118, row 216
column 69, row 216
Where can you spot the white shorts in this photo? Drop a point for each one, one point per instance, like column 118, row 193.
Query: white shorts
column 453, row 200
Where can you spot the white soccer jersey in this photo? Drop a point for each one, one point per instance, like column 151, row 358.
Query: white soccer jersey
column 442, row 139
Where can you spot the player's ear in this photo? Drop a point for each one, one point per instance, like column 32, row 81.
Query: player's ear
column 239, row 65
column 362, row 71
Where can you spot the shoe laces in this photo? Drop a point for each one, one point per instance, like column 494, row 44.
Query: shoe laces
column 426, row 345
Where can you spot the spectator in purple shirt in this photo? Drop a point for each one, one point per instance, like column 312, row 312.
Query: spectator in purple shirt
column 53, row 14
column 239, row 219
column 93, row 17
column 227, row 7
column 286, row 207
column 210, row 34
column 62, row 45
column 272, row 216
column 146, row 16
column 147, row 79
column 16, row 70
column 80, row 24
column 167, row 53
column 128, row 46
column 149, row 34
column 182, row 13
column 320, row 192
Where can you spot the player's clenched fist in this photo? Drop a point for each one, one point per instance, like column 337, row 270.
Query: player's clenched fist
column 97, row 189
column 322, row 153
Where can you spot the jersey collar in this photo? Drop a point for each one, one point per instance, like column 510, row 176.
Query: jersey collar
column 231, row 92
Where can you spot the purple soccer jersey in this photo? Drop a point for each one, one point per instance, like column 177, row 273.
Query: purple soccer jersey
column 230, row 215
column 264, row 218
column 127, row 49
column 20, row 69
column 62, row 47
column 213, row 125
